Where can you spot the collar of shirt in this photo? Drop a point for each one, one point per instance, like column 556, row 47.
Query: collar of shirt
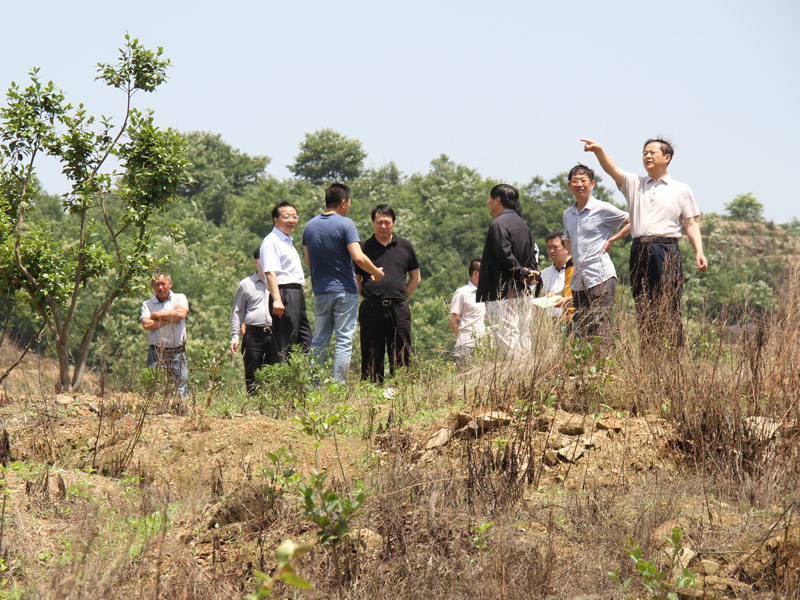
column 281, row 235
column 167, row 299
column 667, row 179
column 589, row 204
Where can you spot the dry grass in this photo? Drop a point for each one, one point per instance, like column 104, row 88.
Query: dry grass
column 708, row 440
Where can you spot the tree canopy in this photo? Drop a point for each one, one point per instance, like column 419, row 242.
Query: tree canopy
column 327, row 155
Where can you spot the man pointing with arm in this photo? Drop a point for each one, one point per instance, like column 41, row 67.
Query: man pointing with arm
column 659, row 206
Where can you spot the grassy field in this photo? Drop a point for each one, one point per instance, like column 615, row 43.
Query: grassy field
column 525, row 479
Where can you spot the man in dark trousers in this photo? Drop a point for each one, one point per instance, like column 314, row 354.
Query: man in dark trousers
column 509, row 262
column 251, row 309
column 384, row 315
column 659, row 207
column 283, row 274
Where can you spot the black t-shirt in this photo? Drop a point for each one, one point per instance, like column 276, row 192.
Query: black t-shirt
column 397, row 259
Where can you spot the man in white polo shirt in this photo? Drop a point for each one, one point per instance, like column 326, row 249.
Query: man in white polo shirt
column 163, row 317
column 659, row 205
column 283, row 274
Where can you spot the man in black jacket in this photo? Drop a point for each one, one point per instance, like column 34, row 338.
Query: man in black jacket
column 510, row 259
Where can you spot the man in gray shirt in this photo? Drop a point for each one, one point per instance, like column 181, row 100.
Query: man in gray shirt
column 588, row 228
column 251, row 309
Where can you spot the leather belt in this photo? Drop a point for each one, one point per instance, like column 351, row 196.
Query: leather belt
column 261, row 328
column 655, row 239
column 290, row 286
column 384, row 302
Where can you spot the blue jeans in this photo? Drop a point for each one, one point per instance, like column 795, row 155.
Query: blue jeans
column 175, row 365
column 335, row 312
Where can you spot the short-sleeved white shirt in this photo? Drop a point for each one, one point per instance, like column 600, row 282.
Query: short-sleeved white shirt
column 587, row 232
column 170, row 335
column 278, row 255
column 471, row 326
column 657, row 207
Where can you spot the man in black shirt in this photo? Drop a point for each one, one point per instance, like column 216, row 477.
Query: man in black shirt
column 509, row 262
column 384, row 316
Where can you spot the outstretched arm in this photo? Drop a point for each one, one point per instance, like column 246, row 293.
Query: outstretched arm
column 609, row 166
column 363, row 261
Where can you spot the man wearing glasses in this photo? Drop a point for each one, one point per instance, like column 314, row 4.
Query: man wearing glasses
column 588, row 228
column 282, row 271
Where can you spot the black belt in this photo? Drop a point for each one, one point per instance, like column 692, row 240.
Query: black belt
column 261, row 328
column 168, row 351
column 291, row 286
column 383, row 302
column 655, row 239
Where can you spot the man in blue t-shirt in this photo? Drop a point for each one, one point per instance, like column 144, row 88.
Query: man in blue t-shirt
column 331, row 245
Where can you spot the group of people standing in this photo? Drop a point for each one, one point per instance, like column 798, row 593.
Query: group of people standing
column 506, row 276
column 269, row 309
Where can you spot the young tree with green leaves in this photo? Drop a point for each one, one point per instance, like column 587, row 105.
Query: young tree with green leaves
column 109, row 211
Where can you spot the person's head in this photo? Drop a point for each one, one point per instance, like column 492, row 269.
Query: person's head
column 555, row 248
column 657, row 153
column 503, row 196
column 474, row 270
column 162, row 284
column 580, row 181
column 336, row 195
column 284, row 217
column 383, row 218
column 257, row 257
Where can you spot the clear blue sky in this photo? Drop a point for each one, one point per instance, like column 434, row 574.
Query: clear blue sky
column 507, row 87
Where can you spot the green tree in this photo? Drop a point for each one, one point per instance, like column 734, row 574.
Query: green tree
column 110, row 247
column 218, row 173
column 327, row 155
column 745, row 207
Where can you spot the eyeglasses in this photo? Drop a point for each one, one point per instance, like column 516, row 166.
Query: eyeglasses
column 289, row 218
column 580, row 180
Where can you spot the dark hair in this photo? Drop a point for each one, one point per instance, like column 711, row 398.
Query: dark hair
column 276, row 212
column 474, row 265
column 384, row 210
column 336, row 194
column 579, row 168
column 666, row 146
column 257, row 253
column 555, row 235
column 158, row 274
column 508, row 194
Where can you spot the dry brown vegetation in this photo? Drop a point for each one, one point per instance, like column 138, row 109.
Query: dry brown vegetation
column 505, row 480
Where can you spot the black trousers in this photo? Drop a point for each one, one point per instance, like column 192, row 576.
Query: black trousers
column 258, row 349
column 384, row 328
column 592, row 317
column 292, row 328
column 657, row 286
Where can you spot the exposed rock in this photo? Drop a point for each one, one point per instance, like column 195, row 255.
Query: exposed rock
column 609, row 424
column 572, row 428
column 440, row 438
column 761, row 429
column 493, row 420
column 543, row 422
column 571, row 453
column 708, row 567
column 63, row 400
column 367, row 539
column 550, row 458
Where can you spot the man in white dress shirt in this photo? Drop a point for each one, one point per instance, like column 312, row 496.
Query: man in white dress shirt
column 283, row 274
